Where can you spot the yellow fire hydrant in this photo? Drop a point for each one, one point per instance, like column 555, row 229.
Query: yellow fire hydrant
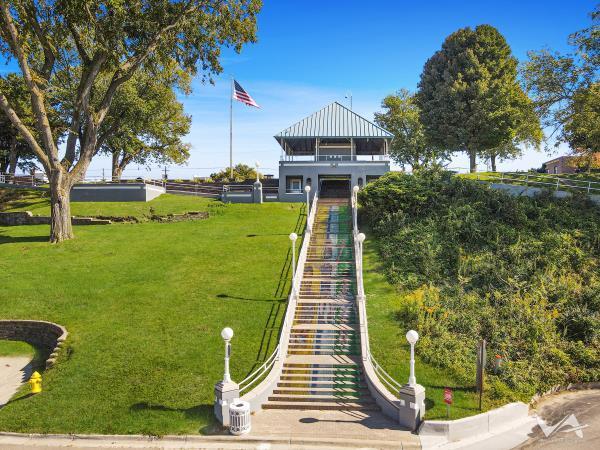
column 36, row 383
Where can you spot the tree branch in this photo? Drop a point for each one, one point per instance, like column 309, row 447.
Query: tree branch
column 37, row 98
column 49, row 50
column 20, row 126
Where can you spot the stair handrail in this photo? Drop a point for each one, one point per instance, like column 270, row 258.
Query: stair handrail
column 382, row 386
column 260, row 394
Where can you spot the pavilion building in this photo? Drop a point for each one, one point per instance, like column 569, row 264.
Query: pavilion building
column 331, row 151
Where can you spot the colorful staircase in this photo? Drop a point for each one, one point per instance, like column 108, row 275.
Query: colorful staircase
column 322, row 369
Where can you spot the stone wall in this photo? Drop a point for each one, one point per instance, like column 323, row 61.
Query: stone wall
column 27, row 218
column 46, row 336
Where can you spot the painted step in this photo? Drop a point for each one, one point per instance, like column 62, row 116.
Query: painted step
column 319, row 398
column 326, row 384
column 344, row 392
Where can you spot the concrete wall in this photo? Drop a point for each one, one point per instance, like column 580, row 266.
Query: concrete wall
column 488, row 422
column 312, row 170
column 115, row 192
column 46, row 336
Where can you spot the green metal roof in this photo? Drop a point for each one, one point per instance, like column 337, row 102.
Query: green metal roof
column 334, row 120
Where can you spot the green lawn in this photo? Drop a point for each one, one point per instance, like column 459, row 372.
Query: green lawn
column 38, row 203
column 391, row 350
column 144, row 305
column 15, row 348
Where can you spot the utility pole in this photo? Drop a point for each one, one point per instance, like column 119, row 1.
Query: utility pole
column 165, row 175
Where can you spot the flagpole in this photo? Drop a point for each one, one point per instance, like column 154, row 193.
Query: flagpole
column 231, row 132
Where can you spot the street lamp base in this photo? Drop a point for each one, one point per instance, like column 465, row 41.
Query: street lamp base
column 225, row 394
column 412, row 406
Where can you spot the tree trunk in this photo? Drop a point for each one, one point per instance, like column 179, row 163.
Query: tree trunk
column 13, row 157
column 116, row 170
column 61, row 228
column 472, row 161
column 493, row 162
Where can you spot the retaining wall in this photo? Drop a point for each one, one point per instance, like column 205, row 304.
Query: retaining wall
column 488, row 422
column 46, row 336
column 27, row 218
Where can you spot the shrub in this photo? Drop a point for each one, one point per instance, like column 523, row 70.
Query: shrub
column 471, row 263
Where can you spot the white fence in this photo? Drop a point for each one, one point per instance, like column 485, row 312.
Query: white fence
column 543, row 181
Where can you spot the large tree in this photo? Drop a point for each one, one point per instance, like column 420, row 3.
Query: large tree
column 469, row 95
column 147, row 125
column 564, row 88
column 401, row 117
column 93, row 41
column 582, row 128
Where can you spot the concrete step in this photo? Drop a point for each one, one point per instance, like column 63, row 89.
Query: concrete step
column 322, row 383
column 322, row 400
column 345, row 392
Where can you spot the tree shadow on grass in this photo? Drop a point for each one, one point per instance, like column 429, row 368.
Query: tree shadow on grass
column 21, row 239
column 195, row 413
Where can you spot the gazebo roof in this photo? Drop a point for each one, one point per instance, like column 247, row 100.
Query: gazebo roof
column 334, row 121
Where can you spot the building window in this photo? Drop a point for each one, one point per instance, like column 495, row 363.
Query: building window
column 294, row 184
column 360, row 182
column 555, row 169
column 308, row 182
column 372, row 178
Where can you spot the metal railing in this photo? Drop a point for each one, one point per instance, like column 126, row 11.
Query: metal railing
column 385, row 379
column 333, row 158
column 545, row 181
column 20, row 180
column 258, row 373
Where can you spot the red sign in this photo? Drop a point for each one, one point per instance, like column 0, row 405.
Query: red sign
column 447, row 396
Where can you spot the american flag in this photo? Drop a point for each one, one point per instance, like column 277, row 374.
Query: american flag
column 241, row 95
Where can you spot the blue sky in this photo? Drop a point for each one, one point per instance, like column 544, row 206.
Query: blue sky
column 310, row 53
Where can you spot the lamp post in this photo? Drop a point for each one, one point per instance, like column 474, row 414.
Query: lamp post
column 293, row 238
column 360, row 237
column 412, row 337
column 355, row 190
column 307, row 190
column 227, row 334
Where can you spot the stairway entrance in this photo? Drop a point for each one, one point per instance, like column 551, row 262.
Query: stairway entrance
column 322, row 369
column 334, row 187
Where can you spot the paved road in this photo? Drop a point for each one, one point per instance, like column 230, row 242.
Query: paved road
column 584, row 405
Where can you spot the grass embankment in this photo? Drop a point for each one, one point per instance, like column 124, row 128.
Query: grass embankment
column 470, row 263
column 38, row 202
column 144, row 305
column 390, row 349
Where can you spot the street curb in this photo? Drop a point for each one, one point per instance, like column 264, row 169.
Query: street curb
column 72, row 439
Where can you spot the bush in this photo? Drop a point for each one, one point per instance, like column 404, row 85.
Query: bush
column 474, row 263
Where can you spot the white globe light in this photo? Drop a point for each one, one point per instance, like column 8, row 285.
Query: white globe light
column 412, row 337
column 355, row 189
column 227, row 333
column 307, row 189
column 361, row 237
column 293, row 237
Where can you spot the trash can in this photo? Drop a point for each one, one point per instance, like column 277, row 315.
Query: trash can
column 239, row 417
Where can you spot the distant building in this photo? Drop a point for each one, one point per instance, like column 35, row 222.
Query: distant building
column 566, row 164
column 331, row 150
